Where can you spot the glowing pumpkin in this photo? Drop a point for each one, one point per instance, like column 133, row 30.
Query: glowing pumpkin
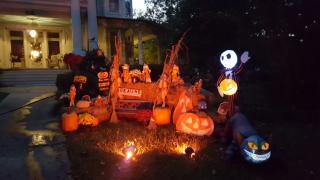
column 228, row 87
column 161, row 115
column 83, row 104
column 196, row 124
column 87, row 119
column 69, row 122
column 103, row 75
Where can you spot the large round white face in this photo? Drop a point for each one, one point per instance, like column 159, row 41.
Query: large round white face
column 228, row 59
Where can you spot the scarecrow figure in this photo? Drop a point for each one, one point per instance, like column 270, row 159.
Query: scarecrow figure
column 163, row 86
column 126, row 77
column 146, row 72
column 72, row 94
column 227, row 82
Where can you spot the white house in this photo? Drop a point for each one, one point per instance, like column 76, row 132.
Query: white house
column 37, row 33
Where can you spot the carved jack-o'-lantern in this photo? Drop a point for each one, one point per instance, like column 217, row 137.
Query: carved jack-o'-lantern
column 197, row 124
column 228, row 87
column 69, row 122
column 103, row 75
column 184, row 105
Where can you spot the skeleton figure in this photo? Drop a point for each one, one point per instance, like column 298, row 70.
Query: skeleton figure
column 229, row 60
column 72, row 95
column 163, row 86
column 146, row 72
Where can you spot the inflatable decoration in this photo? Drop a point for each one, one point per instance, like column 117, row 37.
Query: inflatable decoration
column 184, row 105
column 228, row 87
column 196, row 124
column 254, row 149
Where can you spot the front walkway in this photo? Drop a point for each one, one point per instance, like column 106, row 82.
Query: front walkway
column 31, row 143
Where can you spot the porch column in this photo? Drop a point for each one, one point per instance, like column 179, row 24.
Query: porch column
column 76, row 27
column 92, row 25
column 45, row 49
column 26, row 49
column 140, row 47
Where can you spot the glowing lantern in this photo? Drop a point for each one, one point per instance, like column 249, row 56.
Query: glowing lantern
column 69, row 122
column 33, row 33
column 228, row 87
column 228, row 59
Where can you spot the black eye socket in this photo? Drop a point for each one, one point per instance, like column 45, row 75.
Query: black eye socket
column 222, row 57
column 228, row 56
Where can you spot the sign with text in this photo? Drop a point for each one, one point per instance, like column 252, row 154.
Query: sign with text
column 130, row 92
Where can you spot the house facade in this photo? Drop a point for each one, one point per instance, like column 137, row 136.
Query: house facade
column 37, row 33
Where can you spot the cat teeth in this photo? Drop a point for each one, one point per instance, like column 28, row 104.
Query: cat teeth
column 258, row 157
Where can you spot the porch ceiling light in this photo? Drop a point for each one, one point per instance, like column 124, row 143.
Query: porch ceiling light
column 33, row 33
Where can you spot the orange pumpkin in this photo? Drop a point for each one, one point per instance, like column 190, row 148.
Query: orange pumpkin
column 196, row 124
column 184, row 105
column 69, row 122
column 228, row 87
column 161, row 115
column 103, row 75
column 83, row 104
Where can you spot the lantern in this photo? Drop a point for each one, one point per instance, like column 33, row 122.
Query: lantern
column 33, row 33
column 197, row 124
column 69, row 122
column 228, row 87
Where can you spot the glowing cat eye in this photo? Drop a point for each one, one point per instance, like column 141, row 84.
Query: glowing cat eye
column 252, row 146
column 265, row 146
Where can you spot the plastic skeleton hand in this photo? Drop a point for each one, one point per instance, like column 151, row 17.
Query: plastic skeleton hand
column 245, row 57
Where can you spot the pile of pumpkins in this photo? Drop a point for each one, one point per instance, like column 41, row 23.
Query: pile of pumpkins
column 86, row 113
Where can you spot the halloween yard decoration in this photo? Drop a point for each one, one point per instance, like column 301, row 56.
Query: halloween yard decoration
column 103, row 82
column 72, row 95
column 242, row 136
column 146, row 73
column 184, row 105
column 126, row 78
column 197, row 124
column 227, row 82
column 87, row 119
column 163, row 86
column 115, row 79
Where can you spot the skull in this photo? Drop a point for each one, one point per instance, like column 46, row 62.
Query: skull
column 228, row 59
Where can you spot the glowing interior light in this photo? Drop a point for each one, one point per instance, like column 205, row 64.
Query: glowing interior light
column 35, row 54
column 228, row 59
column 33, row 33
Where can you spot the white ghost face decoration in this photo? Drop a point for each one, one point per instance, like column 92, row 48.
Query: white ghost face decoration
column 228, row 59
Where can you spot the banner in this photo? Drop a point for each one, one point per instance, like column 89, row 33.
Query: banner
column 130, row 92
